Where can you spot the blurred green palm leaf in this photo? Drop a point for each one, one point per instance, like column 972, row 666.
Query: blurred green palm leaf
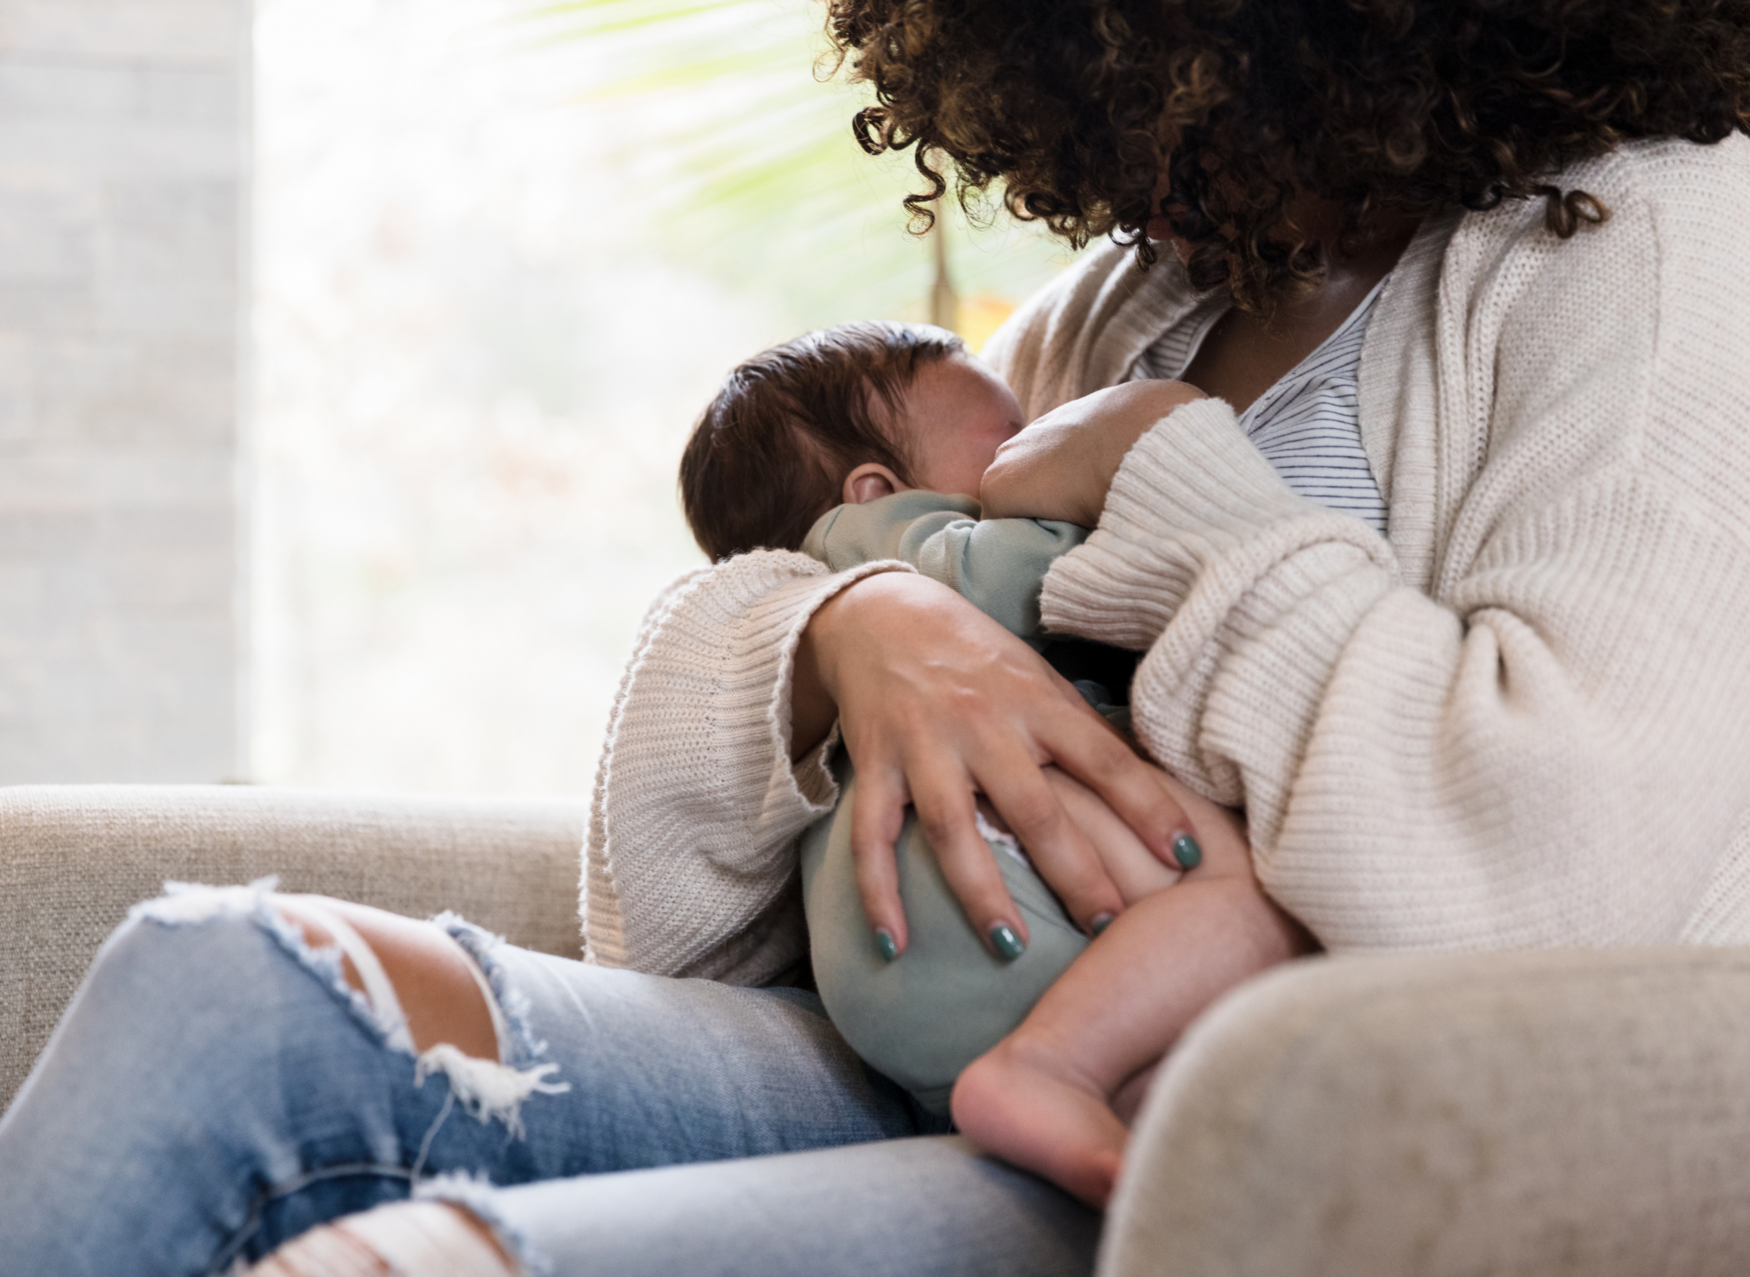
column 740, row 147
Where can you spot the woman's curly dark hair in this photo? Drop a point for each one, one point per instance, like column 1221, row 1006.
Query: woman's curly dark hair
column 1077, row 106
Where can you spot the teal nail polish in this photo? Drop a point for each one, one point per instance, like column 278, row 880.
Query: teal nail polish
column 1100, row 922
column 885, row 946
column 1007, row 944
column 1187, row 852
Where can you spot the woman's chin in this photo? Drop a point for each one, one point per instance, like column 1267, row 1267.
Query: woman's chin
column 1160, row 231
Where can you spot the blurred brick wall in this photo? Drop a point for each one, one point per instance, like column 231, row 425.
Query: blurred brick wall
column 123, row 201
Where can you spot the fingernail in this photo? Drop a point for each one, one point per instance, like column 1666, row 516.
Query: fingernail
column 1099, row 922
column 1007, row 944
column 885, row 944
column 1187, row 852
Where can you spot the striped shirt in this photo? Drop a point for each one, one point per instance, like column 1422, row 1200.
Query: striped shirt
column 1308, row 425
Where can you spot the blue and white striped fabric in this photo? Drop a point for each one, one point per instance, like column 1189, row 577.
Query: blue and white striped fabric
column 1308, row 425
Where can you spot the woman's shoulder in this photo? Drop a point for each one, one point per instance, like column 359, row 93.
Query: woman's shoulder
column 1693, row 201
column 1662, row 231
column 1084, row 329
column 1689, row 196
column 1669, row 169
column 1627, row 335
column 1662, row 200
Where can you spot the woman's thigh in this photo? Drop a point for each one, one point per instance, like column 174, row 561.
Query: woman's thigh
column 216, row 1087
column 902, row 1208
column 688, row 1070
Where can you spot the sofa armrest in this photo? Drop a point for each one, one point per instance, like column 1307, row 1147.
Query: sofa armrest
column 73, row 858
column 1511, row 1114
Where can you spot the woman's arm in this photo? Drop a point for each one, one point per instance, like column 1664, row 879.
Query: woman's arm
column 697, row 802
column 717, row 748
column 1062, row 465
column 1547, row 745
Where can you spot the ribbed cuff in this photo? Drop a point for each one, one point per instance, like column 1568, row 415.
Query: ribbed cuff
column 1232, row 709
column 1192, row 489
column 787, row 614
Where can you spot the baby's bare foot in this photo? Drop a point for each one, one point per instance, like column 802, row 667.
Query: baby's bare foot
column 1028, row 1105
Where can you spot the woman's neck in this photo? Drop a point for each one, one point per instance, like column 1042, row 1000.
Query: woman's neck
column 1245, row 354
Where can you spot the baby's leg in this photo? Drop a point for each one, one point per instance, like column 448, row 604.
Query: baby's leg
column 1042, row 1097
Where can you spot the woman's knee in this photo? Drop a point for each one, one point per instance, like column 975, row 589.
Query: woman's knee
column 415, row 1239
column 422, row 987
column 413, row 973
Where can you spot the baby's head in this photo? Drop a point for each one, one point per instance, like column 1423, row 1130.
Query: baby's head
column 846, row 414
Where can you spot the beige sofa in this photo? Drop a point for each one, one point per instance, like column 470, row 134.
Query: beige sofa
column 1536, row 1114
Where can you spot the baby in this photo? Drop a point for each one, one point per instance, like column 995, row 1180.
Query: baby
column 869, row 441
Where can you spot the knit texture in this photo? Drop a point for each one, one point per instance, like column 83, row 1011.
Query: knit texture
column 1521, row 718
column 1485, row 756
column 690, row 866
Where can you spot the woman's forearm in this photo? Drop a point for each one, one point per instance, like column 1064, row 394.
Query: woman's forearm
column 812, row 711
column 696, row 804
column 1451, row 768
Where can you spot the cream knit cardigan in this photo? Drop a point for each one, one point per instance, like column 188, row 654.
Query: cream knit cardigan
column 1521, row 719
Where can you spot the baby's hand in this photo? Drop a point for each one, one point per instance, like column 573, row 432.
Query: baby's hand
column 1061, row 466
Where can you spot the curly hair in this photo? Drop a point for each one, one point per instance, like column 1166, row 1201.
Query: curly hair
column 1079, row 107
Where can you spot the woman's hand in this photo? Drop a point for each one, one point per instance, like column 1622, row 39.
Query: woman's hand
column 1060, row 466
column 938, row 704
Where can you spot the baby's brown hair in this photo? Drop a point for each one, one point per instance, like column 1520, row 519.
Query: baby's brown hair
column 768, row 456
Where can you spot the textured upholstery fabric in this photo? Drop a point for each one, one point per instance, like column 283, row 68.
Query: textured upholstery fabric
column 1516, row 1115
column 74, row 857
column 1510, row 1114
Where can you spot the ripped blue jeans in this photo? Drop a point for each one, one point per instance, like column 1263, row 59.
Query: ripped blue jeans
column 216, row 1087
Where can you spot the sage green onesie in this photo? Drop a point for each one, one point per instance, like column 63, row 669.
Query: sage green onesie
column 947, row 1000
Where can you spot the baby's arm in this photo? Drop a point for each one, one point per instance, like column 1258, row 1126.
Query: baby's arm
column 1061, row 465
column 997, row 565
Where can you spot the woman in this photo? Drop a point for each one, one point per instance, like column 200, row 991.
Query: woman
column 1514, row 719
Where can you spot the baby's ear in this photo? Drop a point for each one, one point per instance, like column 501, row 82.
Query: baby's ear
column 869, row 482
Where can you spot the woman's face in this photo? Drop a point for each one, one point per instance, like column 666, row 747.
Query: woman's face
column 1159, row 229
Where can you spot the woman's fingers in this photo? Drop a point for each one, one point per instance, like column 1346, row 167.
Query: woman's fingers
column 1058, row 846
column 937, row 702
column 1133, row 868
column 1138, row 791
column 943, row 796
column 877, row 815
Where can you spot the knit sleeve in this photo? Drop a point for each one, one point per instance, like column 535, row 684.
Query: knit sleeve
column 689, row 859
column 1551, row 745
